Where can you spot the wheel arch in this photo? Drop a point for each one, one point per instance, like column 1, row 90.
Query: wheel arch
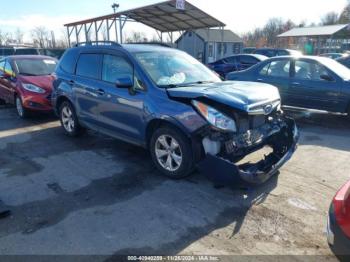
column 156, row 123
column 59, row 102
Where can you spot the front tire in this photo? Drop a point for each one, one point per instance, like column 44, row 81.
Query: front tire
column 171, row 153
column 69, row 120
column 22, row 112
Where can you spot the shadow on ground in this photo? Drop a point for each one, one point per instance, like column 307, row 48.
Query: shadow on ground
column 208, row 207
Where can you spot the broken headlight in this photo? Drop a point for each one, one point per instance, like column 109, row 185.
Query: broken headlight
column 215, row 118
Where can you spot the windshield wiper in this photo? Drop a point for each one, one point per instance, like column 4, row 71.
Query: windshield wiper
column 27, row 74
column 197, row 83
column 187, row 84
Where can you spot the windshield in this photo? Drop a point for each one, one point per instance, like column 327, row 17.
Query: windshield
column 35, row 67
column 339, row 69
column 174, row 68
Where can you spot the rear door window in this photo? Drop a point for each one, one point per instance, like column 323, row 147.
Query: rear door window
column 89, row 66
column 248, row 60
column 280, row 68
column 282, row 52
column 231, row 60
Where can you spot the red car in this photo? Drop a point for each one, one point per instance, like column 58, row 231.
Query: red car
column 26, row 81
column 339, row 222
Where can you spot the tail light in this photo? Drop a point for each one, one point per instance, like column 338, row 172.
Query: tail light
column 343, row 197
column 341, row 205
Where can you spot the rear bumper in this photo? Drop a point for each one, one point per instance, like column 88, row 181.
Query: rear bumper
column 338, row 241
column 223, row 171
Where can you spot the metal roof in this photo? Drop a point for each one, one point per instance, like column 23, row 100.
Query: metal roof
column 217, row 35
column 164, row 17
column 314, row 31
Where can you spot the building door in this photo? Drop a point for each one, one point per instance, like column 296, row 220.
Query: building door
column 211, row 53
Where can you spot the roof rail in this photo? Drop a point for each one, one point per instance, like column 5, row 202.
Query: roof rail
column 152, row 43
column 97, row 43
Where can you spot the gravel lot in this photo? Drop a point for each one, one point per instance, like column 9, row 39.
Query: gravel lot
column 100, row 196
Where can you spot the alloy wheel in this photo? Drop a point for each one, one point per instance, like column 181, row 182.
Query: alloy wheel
column 168, row 153
column 68, row 119
column 19, row 107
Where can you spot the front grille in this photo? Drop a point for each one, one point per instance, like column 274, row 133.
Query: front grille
column 248, row 122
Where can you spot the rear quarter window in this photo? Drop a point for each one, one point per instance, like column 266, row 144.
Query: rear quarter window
column 68, row 61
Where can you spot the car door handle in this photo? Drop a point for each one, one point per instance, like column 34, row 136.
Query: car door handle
column 296, row 84
column 259, row 80
column 100, row 92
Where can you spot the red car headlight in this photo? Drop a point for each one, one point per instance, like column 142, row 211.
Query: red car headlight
column 33, row 88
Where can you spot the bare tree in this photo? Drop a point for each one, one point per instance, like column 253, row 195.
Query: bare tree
column 330, row 18
column 344, row 17
column 19, row 36
column 136, row 37
column 104, row 32
column 268, row 35
column 40, row 36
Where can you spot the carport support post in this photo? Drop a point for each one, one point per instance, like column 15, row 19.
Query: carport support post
column 68, row 34
column 116, row 30
column 107, row 24
column 121, row 26
column 76, row 34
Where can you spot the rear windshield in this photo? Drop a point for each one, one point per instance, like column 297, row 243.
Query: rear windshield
column 336, row 67
column 35, row 67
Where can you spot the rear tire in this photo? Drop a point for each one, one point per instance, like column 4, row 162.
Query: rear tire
column 69, row 120
column 172, row 153
column 22, row 112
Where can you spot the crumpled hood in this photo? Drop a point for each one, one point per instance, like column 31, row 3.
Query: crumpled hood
column 239, row 95
column 44, row 82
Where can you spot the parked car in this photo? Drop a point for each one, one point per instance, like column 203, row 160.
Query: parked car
column 338, row 228
column 165, row 100
column 27, row 51
column 345, row 60
column 26, row 81
column 248, row 50
column 272, row 52
column 308, row 82
column 333, row 55
column 53, row 52
column 235, row 63
column 6, row 51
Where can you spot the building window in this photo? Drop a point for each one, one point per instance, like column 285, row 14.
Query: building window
column 236, row 48
column 219, row 48
column 211, row 49
column 225, row 48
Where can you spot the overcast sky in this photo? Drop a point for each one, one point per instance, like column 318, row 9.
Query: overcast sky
column 239, row 15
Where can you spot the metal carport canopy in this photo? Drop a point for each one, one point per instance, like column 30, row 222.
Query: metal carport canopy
column 164, row 17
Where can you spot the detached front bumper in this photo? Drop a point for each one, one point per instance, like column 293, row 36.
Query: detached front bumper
column 283, row 142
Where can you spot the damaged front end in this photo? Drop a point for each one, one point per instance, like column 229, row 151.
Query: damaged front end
column 224, row 152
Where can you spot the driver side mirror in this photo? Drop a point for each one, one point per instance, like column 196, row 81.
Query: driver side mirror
column 125, row 82
column 327, row 78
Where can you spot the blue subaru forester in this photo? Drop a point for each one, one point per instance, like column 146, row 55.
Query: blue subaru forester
column 165, row 100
